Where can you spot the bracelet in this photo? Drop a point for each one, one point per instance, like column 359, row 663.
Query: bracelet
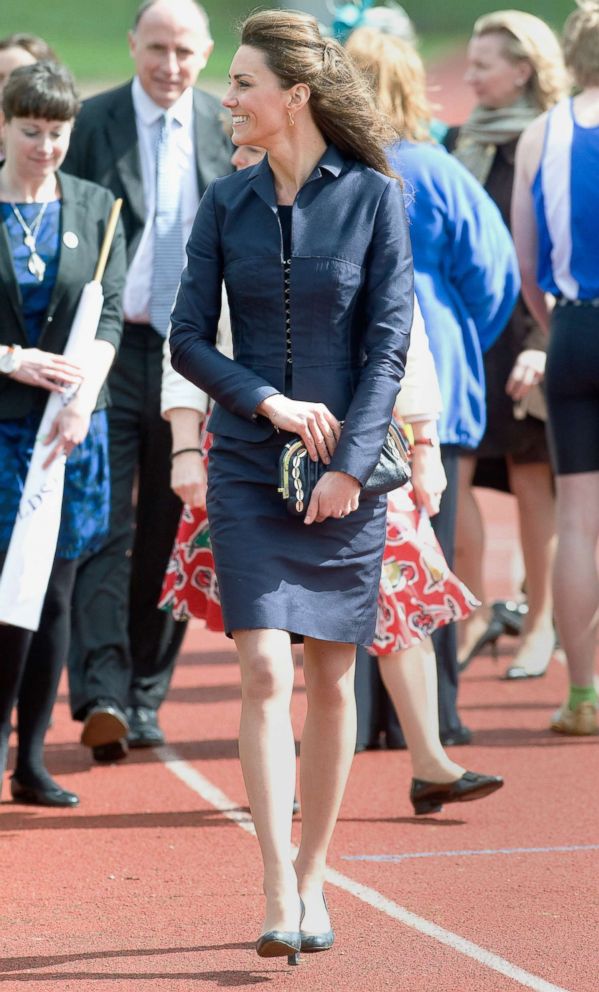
column 184, row 451
column 430, row 442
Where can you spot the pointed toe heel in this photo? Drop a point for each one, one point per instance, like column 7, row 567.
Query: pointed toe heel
column 314, row 942
column 280, row 944
column 489, row 637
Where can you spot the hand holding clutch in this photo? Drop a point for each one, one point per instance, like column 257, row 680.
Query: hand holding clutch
column 298, row 474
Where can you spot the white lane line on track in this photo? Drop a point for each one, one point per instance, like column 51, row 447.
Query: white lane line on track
column 212, row 794
column 566, row 849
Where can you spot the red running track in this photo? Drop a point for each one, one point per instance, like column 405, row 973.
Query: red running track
column 147, row 886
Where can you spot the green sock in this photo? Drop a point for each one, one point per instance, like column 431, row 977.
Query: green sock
column 581, row 694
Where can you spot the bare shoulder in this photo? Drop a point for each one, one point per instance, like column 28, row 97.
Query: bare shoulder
column 530, row 147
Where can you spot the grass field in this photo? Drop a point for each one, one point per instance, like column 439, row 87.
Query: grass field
column 89, row 35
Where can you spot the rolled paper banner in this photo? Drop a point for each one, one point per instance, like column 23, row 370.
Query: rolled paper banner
column 32, row 547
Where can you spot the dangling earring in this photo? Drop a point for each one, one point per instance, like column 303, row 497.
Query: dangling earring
column 291, row 118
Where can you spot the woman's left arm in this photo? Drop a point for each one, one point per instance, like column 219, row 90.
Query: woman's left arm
column 389, row 299
column 71, row 424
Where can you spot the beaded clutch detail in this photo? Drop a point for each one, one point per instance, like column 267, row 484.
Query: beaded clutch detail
column 298, row 474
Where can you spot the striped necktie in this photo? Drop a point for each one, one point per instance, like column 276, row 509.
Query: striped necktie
column 168, row 259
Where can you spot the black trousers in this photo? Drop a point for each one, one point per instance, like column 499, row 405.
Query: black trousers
column 375, row 711
column 122, row 647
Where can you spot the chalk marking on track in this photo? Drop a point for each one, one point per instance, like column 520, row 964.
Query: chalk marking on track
column 468, row 854
column 215, row 797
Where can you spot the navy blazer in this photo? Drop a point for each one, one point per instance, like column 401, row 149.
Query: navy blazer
column 351, row 293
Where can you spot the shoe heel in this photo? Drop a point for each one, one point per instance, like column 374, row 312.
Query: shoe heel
column 294, row 958
column 424, row 806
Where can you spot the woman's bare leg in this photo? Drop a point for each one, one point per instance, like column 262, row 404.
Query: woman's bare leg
column 267, row 752
column 328, row 743
column 576, row 585
column 469, row 556
column 532, row 485
column 410, row 678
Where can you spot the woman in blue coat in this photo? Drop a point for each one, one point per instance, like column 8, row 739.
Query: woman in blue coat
column 314, row 251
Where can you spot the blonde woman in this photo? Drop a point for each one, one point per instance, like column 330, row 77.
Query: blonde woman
column 555, row 208
column 516, row 70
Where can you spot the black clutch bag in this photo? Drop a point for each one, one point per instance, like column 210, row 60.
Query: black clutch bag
column 298, row 474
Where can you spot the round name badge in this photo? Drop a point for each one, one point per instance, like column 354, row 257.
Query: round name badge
column 70, row 239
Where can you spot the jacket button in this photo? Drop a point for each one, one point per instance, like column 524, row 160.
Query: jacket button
column 49, row 320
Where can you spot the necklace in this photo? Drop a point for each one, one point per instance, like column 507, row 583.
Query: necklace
column 36, row 265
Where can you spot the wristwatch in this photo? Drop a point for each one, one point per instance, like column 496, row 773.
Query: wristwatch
column 10, row 359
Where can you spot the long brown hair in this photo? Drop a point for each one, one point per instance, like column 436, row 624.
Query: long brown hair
column 396, row 74
column 340, row 100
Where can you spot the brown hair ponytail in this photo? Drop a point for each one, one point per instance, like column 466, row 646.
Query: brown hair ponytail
column 340, row 99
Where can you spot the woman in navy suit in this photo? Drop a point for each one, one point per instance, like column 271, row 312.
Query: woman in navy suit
column 314, row 250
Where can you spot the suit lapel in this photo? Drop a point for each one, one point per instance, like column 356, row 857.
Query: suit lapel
column 8, row 280
column 69, row 258
column 263, row 183
column 121, row 131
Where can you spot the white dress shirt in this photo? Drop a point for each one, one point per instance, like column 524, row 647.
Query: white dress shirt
column 136, row 299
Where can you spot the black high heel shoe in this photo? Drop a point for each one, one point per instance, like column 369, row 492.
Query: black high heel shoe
column 495, row 629
column 313, row 942
column 430, row 797
column 281, row 943
column 511, row 614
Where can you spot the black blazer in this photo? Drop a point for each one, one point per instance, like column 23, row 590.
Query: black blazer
column 104, row 148
column 85, row 211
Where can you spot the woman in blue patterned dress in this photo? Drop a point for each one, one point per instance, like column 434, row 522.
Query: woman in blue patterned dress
column 51, row 229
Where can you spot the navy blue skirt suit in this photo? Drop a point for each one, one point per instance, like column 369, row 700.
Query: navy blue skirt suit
column 330, row 323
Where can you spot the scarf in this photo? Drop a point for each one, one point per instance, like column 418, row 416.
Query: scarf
column 485, row 129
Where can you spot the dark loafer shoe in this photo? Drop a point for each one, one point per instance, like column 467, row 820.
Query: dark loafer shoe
column 36, row 796
column 430, row 797
column 107, row 754
column 143, row 727
column 104, row 724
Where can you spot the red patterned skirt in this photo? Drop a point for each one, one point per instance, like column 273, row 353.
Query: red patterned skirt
column 418, row 592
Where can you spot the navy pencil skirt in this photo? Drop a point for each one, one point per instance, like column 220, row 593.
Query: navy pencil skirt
column 275, row 572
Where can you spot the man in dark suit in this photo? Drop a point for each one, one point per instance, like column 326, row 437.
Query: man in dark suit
column 156, row 142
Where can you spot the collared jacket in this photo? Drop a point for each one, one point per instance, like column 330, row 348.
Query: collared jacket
column 351, row 295
column 419, row 397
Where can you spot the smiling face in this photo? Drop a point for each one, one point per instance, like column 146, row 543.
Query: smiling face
column 259, row 106
column 34, row 147
column 169, row 46
column 496, row 81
